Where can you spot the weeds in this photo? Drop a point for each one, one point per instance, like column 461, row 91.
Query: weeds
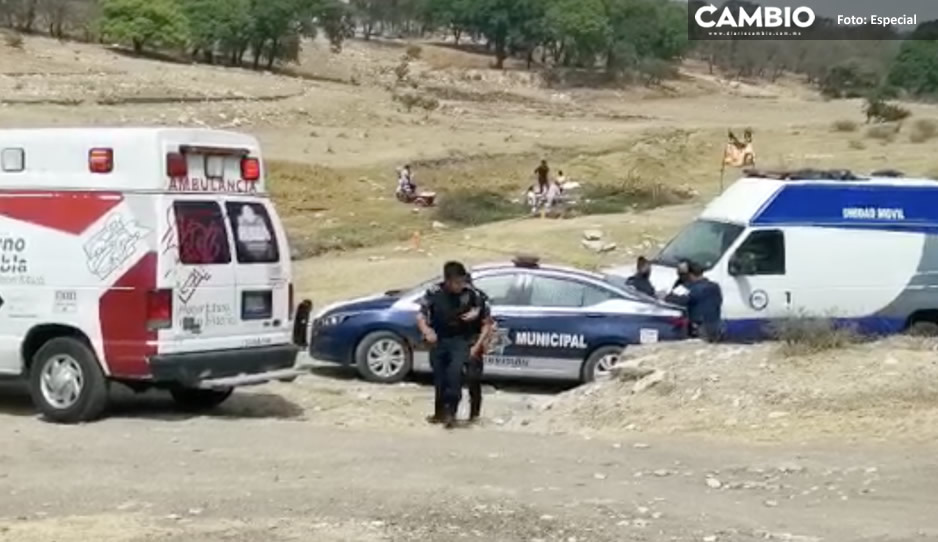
column 923, row 130
column 473, row 207
column 804, row 335
column 883, row 132
column 844, row 126
column 13, row 40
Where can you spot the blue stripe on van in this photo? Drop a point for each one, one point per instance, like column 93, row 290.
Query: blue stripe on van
column 880, row 207
column 759, row 329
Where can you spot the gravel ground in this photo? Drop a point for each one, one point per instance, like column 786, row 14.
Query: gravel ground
column 331, row 458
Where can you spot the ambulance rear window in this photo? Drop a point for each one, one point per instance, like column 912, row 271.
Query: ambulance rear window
column 200, row 226
column 255, row 240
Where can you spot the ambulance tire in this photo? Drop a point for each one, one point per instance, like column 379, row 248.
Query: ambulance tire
column 81, row 363
column 199, row 400
column 599, row 362
column 374, row 367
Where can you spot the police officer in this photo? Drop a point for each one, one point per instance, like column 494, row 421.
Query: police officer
column 641, row 280
column 704, row 302
column 482, row 330
column 448, row 319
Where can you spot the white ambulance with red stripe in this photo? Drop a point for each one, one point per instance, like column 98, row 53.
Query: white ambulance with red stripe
column 147, row 256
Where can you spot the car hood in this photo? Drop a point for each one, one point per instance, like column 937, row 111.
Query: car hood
column 360, row 304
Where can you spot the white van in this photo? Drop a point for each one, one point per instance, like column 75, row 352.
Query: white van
column 148, row 256
column 859, row 250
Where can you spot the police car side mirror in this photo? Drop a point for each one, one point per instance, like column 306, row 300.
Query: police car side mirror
column 735, row 268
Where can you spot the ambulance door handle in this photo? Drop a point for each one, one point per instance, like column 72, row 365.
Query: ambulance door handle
column 594, row 315
column 788, row 298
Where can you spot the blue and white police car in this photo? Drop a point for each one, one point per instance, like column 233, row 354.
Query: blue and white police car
column 551, row 323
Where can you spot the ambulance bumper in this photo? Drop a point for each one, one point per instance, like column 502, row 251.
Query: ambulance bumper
column 226, row 368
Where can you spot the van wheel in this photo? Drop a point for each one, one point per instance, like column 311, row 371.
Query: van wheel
column 198, row 400
column 923, row 328
column 66, row 382
column 598, row 366
column 383, row 357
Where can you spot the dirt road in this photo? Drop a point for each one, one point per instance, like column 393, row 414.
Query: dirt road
column 272, row 469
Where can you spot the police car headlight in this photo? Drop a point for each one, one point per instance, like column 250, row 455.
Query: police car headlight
column 333, row 319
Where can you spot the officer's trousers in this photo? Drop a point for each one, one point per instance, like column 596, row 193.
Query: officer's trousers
column 447, row 358
column 474, row 371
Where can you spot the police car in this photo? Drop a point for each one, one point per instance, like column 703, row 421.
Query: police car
column 551, row 323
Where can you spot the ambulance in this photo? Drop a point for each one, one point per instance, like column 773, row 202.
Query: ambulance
column 858, row 250
column 152, row 257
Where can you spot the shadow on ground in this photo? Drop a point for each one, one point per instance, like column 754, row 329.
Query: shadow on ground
column 158, row 405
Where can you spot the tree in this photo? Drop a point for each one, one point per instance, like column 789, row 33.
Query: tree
column 850, row 79
column 915, row 70
column 142, row 23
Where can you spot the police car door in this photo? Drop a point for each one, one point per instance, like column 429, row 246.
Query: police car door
column 504, row 292
column 755, row 288
column 548, row 333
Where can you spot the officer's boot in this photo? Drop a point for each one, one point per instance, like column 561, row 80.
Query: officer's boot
column 439, row 415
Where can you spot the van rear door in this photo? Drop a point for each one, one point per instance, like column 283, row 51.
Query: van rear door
column 262, row 269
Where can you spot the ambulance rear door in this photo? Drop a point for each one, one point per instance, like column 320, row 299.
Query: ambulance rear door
column 262, row 271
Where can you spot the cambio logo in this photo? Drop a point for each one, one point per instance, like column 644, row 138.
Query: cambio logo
column 760, row 17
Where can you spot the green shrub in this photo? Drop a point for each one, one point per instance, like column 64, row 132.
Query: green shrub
column 473, row 207
column 844, row 126
column 923, row 130
column 804, row 335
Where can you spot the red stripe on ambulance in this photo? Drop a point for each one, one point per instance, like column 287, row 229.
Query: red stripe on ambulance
column 69, row 212
column 123, row 312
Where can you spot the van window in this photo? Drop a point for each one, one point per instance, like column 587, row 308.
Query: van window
column 200, row 227
column 703, row 242
column 255, row 241
column 762, row 253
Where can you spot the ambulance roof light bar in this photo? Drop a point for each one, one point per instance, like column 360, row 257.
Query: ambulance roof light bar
column 526, row 261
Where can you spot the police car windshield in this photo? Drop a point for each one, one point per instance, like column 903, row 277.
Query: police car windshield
column 703, row 242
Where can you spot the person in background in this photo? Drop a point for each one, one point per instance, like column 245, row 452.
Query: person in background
column 561, row 179
column 448, row 321
column 406, row 187
column 683, row 268
column 543, row 173
column 641, row 280
column 704, row 302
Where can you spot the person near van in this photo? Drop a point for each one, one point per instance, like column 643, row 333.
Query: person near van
column 447, row 320
column 704, row 302
column 476, row 365
column 641, row 280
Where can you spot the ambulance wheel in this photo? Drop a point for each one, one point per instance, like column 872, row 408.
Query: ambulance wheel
column 66, row 382
column 599, row 364
column 383, row 357
column 198, row 400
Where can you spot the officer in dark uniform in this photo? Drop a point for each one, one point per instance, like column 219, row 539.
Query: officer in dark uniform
column 641, row 280
column 448, row 319
column 482, row 329
column 704, row 302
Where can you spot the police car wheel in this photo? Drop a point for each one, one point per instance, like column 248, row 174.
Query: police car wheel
column 198, row 400
column 383, row 357
column 599, row 364
column 66, row 382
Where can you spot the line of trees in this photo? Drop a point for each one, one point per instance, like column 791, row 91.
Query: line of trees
column 615, row 36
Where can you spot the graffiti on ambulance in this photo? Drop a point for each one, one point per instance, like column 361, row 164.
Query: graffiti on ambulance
column 196, row 184
column 201, row 242
column 197, row 317
column 112, row 246
column 189, row 286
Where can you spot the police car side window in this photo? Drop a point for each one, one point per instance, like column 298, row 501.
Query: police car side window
column 563, row 293
column 255, row 241
column 200, row 233
column 497, row 288
column 762, row 253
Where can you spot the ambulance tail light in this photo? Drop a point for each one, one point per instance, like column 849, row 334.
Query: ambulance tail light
column 101, row 160
column 177, row 165
column 250, row 169
column 159, row 309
